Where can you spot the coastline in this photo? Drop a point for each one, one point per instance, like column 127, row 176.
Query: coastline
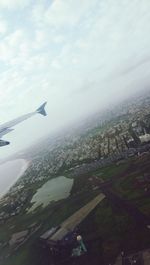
column 10, row 172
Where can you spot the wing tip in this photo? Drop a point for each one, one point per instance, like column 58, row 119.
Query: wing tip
column 41, row 109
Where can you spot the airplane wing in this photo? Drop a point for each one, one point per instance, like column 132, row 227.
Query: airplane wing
column 7, row 127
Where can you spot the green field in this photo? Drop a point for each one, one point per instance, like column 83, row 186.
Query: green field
column 112, row 226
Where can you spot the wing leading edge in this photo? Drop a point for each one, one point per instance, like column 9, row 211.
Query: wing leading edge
column 6, row 127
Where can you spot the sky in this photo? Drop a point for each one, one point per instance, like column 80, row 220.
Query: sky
column 78, row 55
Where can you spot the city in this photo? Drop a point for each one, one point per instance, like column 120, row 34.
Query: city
column 91, row 157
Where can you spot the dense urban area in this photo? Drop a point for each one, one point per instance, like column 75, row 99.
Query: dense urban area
column 109, row 154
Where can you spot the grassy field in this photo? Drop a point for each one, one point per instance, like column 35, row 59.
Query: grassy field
column 48, row 217
column 114, row 227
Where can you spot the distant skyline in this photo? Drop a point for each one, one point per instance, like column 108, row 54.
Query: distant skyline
column 78, row 55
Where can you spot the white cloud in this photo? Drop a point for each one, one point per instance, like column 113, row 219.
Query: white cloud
column 62, row 13
column 12, row 4
column 79, row 55
column 56, row 64
column 58, row 38
column 11, row 45
column 3, row 26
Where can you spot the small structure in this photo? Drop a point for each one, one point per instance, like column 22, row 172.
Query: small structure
column 63, row 239
column 81, row 243
column 80, row 249
column 18, row 238
column 145, row 138
column 49, row 233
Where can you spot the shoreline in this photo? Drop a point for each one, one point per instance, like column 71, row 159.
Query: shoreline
column 12, row 171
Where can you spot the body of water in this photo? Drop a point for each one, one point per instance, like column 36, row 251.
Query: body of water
column 10, row 172
column 53, row 190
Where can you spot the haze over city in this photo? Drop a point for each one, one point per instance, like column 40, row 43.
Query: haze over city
column 80, row 56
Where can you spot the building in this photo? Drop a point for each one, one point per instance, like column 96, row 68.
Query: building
column 62, row 239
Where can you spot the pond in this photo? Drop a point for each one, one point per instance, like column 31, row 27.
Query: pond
column 53, row 190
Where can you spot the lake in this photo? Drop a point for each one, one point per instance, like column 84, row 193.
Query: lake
column 53, row 190
column 10, row 172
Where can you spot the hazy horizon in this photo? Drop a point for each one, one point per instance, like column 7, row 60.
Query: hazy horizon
column 79, row 56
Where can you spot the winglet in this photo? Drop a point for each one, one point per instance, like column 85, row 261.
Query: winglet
column 41, row 109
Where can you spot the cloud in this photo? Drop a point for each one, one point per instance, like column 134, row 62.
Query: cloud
column 61, row 14
column 3, row 26
column 78, row 55
column 13, row 4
